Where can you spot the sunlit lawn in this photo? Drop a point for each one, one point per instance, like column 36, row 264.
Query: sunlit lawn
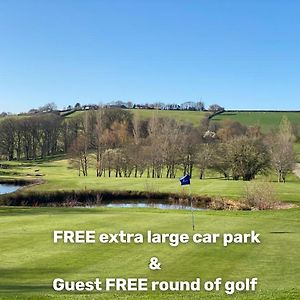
column 59, row 176
column 266, row 120
column 30, row 260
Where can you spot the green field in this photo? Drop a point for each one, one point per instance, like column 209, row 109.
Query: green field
column 58, row 177
column 74, row 114
column 30, row 260
column 266, row 120
column 192, row 117
column 189, row 117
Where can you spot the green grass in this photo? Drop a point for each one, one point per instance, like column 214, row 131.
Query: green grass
column 30, row 260
column 190, row 117
column 74, row 114
column 267, row 120
column 58, row 176
column 297, row 150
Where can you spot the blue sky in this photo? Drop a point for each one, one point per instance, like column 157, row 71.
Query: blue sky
column 240, row 54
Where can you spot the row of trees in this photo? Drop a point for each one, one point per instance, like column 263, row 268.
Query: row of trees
column 30, row 137
column 116, row 143
column 188, row 105
column 163, row 148
column 51, row 107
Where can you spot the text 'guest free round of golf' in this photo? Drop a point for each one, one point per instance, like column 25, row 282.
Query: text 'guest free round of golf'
column 143, row 284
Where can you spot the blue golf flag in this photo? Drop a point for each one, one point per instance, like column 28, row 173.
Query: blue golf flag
column 185, row 180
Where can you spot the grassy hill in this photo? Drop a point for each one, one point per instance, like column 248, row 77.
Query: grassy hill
column 266, row 120
column 30, row 260
column 192, row 117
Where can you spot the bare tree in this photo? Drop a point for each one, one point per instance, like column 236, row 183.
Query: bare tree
column 230, row 129
column 48, row 107
column 79, row 155
column 215, row 108
column 7, row 137
column 220, row 159
column 204, row 158
column 99, row 145
column 154, row 150
column 282, row 150
column 248, row 156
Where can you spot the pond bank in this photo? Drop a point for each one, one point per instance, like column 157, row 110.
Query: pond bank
column 19, row 182
column 98, row 198
column 19, row 195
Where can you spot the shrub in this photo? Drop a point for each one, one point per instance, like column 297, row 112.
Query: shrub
column 260, row 195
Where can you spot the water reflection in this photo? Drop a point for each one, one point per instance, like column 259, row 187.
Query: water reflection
column 8, row 188
column 150, row 205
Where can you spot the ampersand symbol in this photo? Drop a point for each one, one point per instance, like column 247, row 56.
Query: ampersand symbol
column 154, row 264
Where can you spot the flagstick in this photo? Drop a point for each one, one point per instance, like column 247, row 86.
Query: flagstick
column 193, row 217
column 185, row 180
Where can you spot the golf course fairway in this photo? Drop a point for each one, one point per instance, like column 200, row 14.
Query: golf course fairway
column 30, row 260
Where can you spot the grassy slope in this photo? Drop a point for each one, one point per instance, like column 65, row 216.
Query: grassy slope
column 74, row 114
column 266, row 120
column 192, row 117
column 59, row 177
column 29, row 260
column 275, row 261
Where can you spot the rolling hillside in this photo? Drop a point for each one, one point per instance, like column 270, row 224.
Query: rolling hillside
column 266, row 120
column 192, row 117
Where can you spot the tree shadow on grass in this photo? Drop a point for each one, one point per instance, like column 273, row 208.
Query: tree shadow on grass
column 12, row 279
column 35, row 273
column 19, row 288
column 281, row 232
column 15, row 277
column 43, row 160
column 29, row 211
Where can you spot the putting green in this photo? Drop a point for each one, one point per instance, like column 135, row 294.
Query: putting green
column 30, row 260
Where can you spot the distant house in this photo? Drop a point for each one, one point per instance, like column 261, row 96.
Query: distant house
column 188, row 106
column 90, row 107
column 143, row 106
column 171, row 107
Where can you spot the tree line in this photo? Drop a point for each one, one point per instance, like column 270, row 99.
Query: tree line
column 114, row 142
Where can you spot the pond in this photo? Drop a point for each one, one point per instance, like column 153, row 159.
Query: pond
column 149, row 204
column 8, row 188
column 92, row 199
